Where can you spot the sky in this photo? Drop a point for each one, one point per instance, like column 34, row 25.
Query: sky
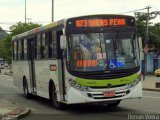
column 39, row 11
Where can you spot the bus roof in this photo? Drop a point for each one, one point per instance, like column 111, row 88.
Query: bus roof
column 62, row 22
column 39, row 29
column 98, row 15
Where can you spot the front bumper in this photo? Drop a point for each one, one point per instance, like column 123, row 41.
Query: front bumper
column 75, row 96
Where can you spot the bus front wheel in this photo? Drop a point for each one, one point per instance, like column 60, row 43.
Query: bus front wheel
column 54, row 99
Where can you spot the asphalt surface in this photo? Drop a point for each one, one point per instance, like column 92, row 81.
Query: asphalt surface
column 41, row 109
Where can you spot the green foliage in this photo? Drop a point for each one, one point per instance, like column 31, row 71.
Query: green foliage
column 22, row 27
column 154, row 35
column 154, row 30
column 5, row 48
column 140, row 21
column 5, row 45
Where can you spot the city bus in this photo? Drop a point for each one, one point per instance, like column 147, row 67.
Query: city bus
column 85, row 59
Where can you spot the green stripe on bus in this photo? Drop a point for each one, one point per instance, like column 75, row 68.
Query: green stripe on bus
column 113, row 82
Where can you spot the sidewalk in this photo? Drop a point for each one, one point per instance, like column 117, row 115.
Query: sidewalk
column 150, row 83
column 8, row 109
column 12, row 111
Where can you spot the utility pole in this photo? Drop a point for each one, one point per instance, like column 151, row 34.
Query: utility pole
column 25, row 12
column 52, row 10
column 147, row 21
column 146, row 42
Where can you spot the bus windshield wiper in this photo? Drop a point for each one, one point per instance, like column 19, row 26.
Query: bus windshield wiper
column 115, row 44
column 115, row 40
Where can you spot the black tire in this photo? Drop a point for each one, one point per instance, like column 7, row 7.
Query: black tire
column 53, row 99
column 114, row 104
column 25, row 90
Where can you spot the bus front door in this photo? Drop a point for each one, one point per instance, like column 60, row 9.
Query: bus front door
column 62, row 88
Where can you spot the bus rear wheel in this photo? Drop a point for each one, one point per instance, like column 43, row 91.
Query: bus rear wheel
column 25, row 90
column 54, row 99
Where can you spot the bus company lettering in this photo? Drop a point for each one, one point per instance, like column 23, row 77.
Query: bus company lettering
column 101, row 22
column 86, row 63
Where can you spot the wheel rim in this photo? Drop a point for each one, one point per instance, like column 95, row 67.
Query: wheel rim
column 54, row 96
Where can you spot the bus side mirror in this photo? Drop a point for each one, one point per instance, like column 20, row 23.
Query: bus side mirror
column 63, row 41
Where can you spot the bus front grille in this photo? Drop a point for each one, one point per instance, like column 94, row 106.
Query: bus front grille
column 100, row 95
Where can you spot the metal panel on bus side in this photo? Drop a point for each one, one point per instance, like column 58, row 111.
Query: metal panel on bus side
column 20, row 70
column 43, row 75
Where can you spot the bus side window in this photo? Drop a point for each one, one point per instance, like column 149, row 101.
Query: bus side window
column 35, row 48
column 52, row 52
column 50, row 46
column 21, row 49
column 46, row 45
column 54, row 40
column 12, row 50
column 38, row 45
column 42, row 48
column 15, row 50
column 25, row 49
column 59, row 51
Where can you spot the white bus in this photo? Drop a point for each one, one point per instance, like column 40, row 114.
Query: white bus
column 87, row 59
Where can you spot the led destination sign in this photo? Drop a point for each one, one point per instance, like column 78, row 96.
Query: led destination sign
column 100, row 22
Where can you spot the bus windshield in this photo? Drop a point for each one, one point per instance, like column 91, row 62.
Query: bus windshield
column 102, row 51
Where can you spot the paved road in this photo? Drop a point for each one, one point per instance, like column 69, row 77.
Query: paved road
column 42, row 110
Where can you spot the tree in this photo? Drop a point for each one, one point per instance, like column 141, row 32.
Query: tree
column 141, row 23
column 154, row 30
column 22, row 27
column 5, row 45
column 154, row 35
column 5, row 48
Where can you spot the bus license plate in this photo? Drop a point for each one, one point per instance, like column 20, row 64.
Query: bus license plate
column 109, row 94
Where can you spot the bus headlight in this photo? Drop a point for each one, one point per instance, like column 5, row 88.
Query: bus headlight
column 72, row 83
column 77, row 86
column 134, row 83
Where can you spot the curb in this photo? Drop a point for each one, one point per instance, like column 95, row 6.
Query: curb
column 16, row 113
column 151, row 89
column 24, row 113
